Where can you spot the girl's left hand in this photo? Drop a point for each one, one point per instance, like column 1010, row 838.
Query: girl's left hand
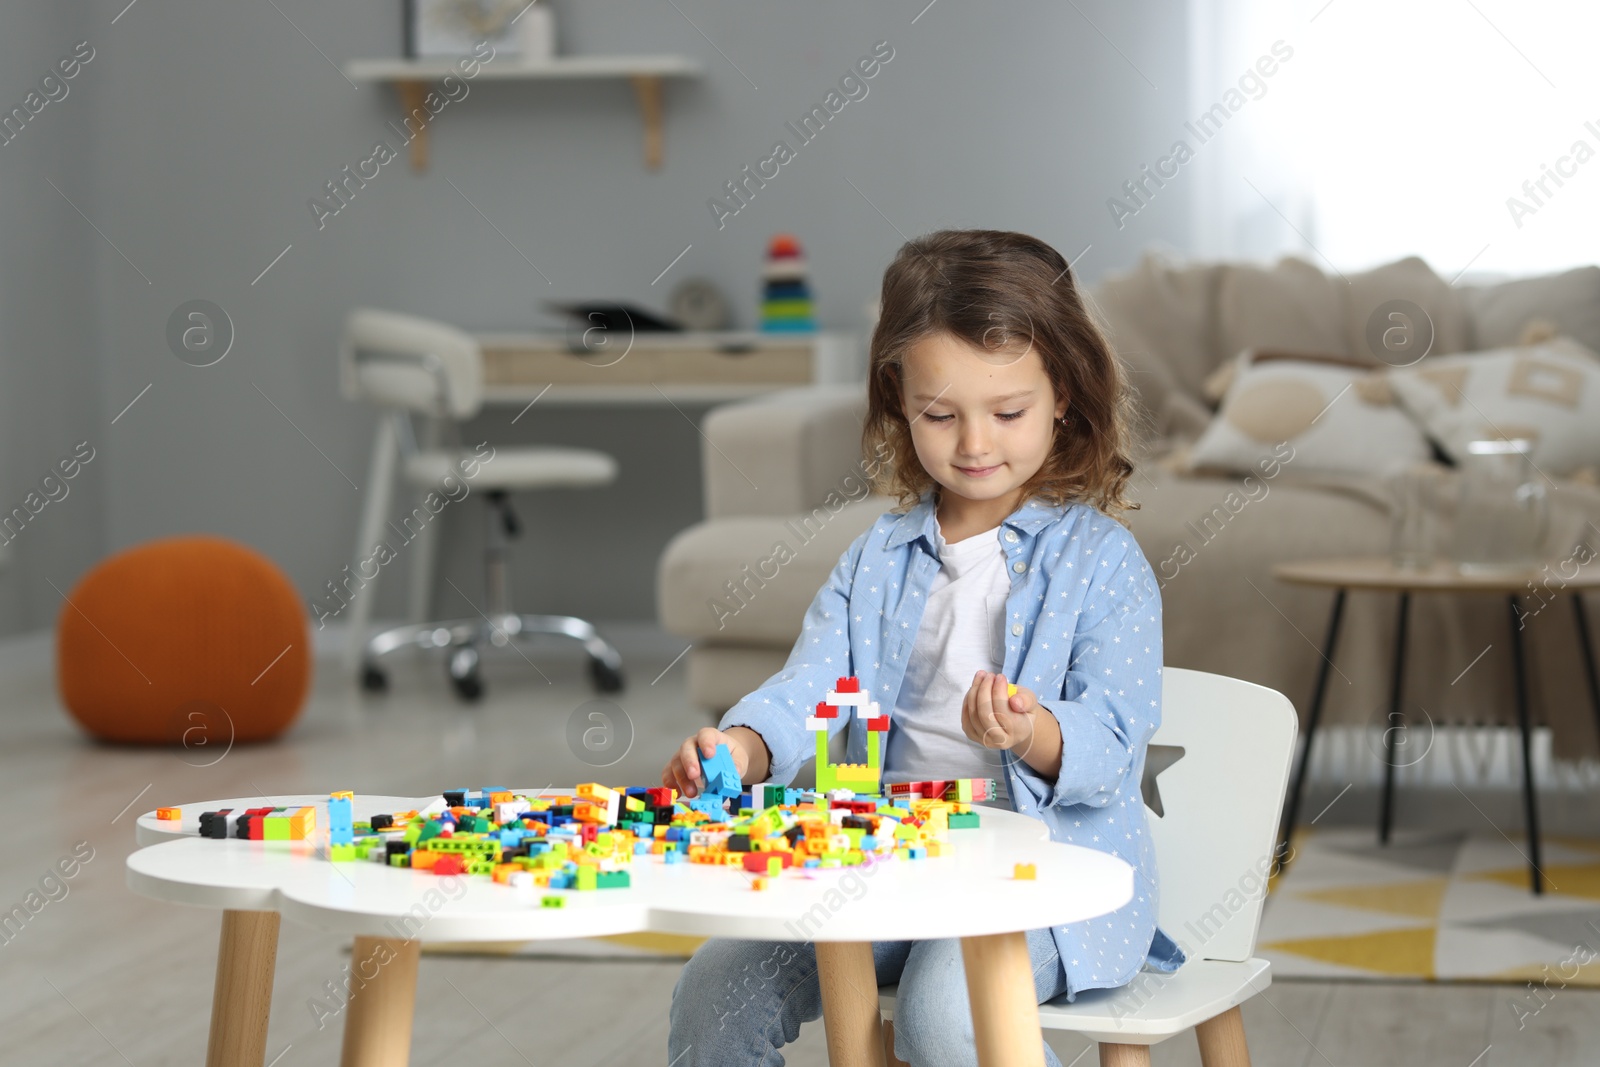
column 994, row 720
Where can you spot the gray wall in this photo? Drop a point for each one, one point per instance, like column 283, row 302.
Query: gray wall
column 50, row 372
column 200, row 131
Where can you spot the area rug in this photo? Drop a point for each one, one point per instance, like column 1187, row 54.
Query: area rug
column 1434, row 907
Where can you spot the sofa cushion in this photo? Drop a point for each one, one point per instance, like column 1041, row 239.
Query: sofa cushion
column 1548, row 393
column 750, row 579
column 1570, row 300
column 1413, row 281
column 1161, row 319
column 1291, row 305
column 1328, row 415
column 782, row 452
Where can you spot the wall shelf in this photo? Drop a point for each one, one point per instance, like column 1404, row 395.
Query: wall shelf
column 412, row 78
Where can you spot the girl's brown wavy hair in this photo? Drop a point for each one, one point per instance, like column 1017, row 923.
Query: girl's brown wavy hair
column 999, row 291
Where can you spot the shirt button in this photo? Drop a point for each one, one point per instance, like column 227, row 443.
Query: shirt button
column 1011, row 535
column 1019, row 566
column 1016, row 630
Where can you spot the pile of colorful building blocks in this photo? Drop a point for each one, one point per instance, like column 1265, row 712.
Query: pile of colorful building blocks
column 587, row 840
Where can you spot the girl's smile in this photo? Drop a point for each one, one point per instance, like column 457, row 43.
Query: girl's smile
column 982, row 423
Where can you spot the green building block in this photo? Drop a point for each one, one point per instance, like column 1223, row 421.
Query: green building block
column 275, row 828
column 342, row 853
column 613, row 880
column 963, row 820
column 585, row 878
column 553, row 902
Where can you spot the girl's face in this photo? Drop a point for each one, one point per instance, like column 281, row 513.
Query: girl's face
column 982, row 423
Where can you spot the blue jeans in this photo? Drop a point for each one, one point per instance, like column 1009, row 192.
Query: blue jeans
column 737, row 1002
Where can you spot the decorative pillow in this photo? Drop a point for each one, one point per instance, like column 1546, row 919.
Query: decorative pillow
column 1291, row 306
column 1219, row 381
column 1336, row 418
column 1548, row 393
column 1410, row 280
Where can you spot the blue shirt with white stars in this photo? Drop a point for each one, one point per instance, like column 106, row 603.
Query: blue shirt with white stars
column 1083, row 631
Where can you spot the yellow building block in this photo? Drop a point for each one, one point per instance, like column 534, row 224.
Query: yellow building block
column 1023, row 872
column 169, row 814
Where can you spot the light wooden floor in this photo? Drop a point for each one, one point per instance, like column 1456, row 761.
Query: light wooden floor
column 105, row 977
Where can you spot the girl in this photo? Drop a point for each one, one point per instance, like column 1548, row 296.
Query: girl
column 1002, row 410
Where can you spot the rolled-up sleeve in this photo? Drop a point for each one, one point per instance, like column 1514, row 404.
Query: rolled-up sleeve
column 1109, row 704
column 778, row 709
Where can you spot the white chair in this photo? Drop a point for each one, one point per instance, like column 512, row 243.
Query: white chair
column 406, row 365
column 1214, row 847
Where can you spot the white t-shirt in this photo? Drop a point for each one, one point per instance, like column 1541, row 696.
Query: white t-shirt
column 961, row 633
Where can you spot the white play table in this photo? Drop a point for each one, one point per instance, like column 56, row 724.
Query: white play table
column 969, row 893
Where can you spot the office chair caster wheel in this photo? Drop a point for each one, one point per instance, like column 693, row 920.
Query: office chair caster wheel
column 464, row 676
column 606, row 679
column 373, row 679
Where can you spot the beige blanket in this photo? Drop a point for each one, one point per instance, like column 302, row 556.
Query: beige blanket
column 1213, row 541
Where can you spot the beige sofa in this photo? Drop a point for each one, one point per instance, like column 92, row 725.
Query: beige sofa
column 785, row 495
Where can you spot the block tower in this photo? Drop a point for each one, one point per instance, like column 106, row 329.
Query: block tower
column 341, row 828
column 785, row 298
column 856, row 777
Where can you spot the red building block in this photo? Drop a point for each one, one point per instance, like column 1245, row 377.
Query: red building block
column 756, row 862
column 449, row 864
column 826, row 710
column 851, row 684
column 856, row 807
column 879, row 724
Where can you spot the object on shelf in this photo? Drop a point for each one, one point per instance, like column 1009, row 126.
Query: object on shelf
column 699, row 305
column 536, row 32
column 439, row 28
column 785, row 297
column 621, row 319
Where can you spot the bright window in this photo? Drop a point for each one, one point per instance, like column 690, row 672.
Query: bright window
column 1403, row 127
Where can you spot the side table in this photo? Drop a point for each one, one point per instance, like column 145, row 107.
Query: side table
column 1378, row 574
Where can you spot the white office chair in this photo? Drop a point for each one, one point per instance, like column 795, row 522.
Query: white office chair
column 1214, row 846
column 406, row 365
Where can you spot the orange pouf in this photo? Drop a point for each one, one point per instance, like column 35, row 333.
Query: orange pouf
column 196, row 641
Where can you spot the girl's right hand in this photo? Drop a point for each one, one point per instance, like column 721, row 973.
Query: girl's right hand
column 683, row 772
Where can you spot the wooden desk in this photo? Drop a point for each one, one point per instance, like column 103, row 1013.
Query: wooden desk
column 592, row 367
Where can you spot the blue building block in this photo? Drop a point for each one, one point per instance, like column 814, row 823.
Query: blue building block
column 722, row 778
column 710, row 805
column 341, row 830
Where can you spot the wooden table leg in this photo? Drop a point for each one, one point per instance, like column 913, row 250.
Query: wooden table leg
column 1125, row 1056
column 849, row 981
column 241, row 1001
column 377, row 1025
column 1005, row 1011
column 1222, row 1042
